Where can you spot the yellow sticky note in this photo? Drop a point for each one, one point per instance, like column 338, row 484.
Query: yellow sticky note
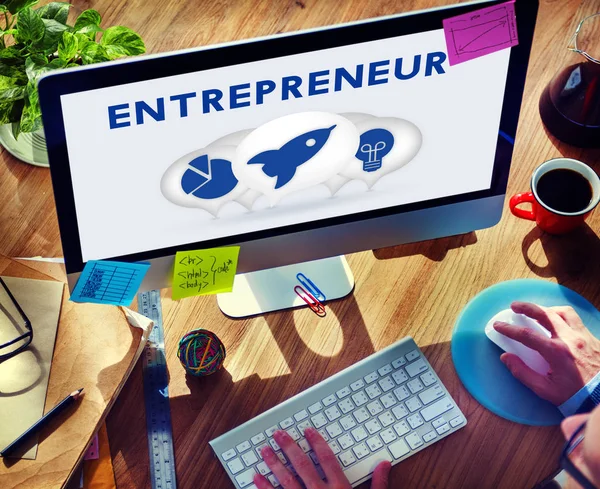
column 203, row 272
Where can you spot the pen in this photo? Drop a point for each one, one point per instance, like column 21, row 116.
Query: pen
column 61, row 406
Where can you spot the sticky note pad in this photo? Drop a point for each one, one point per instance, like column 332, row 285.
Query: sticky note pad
column 109, row 282
column 480, row 32
column 93, row 452
column 203, row 272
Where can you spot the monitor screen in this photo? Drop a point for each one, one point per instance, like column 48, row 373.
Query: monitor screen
column 158, row 146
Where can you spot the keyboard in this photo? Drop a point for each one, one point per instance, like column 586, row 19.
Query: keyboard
column 388, row 406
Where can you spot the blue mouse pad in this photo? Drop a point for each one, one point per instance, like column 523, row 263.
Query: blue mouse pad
column 477, row 359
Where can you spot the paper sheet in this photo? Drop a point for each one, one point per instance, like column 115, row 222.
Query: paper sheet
column 24, row 378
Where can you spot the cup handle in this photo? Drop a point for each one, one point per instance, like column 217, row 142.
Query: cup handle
column 518, row 199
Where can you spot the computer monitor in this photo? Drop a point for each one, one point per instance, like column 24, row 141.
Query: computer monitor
column 296, row 147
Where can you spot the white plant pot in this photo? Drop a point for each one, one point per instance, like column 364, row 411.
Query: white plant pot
column 30, row 147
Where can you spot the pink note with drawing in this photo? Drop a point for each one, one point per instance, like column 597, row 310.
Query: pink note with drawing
column 481, row 32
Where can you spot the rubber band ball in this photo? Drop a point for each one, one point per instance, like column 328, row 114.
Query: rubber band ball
column 201, row 352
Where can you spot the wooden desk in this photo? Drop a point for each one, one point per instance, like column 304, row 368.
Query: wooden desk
column 416, row 289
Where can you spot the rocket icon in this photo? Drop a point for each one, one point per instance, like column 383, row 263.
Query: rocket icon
column 283, row 162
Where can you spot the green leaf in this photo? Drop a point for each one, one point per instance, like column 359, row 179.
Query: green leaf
column 30, row 26
column 12, row 55
column 31, row 118
column 11, row 94
column 121, row 41
column 67, row 47
column 58, row 11
column 87, row 17
column 93, row 53
column 10, row 111
column 90, row 31
column 52, row 35
column 15, row 73
column 36, row 66
column 15, row 6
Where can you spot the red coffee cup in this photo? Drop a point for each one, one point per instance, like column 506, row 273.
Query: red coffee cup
column 551, row 220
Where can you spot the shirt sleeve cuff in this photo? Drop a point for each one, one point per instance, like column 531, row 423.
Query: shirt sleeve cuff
column 571, row 405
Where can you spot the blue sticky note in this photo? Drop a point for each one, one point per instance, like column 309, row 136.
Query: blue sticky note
column 109, row 282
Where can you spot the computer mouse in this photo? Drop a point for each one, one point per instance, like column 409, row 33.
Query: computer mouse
column 530, row 357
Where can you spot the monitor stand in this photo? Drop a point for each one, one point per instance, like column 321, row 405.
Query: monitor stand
column 273, row 289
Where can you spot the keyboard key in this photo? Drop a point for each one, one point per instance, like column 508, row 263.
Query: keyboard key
column 345, row 441
column 361, row 415
column 401, row 428
column 319, row 420
column 360, row 398
column 333, row 413
column 334, row 429
column 375, row 408
column 302, row 426
column 388, row 400
column 372, row 377
column 386, row 384
column 437, row 408
column 399, row 449
column 301, row 415
column 355, row 386
column 281, row 458
column 412, row 355
column 259, row 438
column 399, row 362
column 293, row 432
column 438, row 422
column 402, row 393
column 249, row 458
column 324, row 435
column 431, row 394
column 374, row 443
column 386, row 369
column 304, row 445
column 427, row 437
column 259, row 449
column 400, row 376
column 286, row 423
column 235, row 466
column 347, row 422
column 270, row 432
column 456, row 422
column 263, row 468
column 274, row 445
column 445, row 428
column 361, row 450
column 345, row 391
column 329, row 400
column 373, row 391
column 414, row 441
column 245, row 478
column 242, row 447
column 415, row 386
column 388, row 436
column 400, row 411
column 373, row 426
column 314, row 408
column 335, row 448
column 228, row 455
column 413, row 404
column 359, row 434
column 386, row 419
column 346, row 406
column 416, row 368
column 428, row 378
column 273, row 480
column 366, row 466
column 415, row 421
column 347, row 458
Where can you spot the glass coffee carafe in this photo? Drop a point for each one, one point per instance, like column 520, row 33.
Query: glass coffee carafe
column 570, row 104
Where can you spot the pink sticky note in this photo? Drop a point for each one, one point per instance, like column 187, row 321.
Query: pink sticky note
column 481, row 32
column 93, row 453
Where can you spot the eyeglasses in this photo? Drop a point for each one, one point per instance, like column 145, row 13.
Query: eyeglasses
column 568, row 465
column 14, row 313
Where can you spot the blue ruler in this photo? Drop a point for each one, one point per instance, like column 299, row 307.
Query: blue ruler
column 156, row 397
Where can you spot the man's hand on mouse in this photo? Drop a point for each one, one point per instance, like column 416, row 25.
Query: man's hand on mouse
column 306, row 469
column 572, row 352
column 586, row 456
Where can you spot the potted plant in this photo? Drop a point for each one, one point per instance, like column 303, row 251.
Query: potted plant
column 37, row 41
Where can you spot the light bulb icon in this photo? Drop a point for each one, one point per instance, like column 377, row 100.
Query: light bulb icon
column 374, row 146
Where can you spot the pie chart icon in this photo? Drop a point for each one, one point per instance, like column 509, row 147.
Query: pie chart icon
column 208, row 179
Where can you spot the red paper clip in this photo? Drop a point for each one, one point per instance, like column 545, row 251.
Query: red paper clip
column 315, row 305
